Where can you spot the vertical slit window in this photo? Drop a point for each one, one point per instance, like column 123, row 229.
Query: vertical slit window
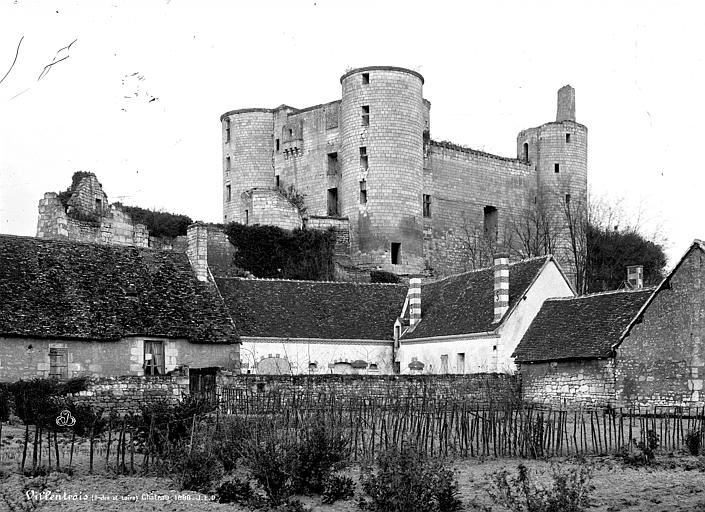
column 396, row 253
column 426, row 205
column 365, row 115
column 364, row 163
column 363, row 192
column 227, row 130
column 228, row 193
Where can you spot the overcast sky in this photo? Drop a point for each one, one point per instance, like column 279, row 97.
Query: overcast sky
column 139, row 97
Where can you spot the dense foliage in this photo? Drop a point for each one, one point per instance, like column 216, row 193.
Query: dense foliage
column 382, row 276
column 272, row 252
column 611, row 251
column 39, row 401
column 159, row 224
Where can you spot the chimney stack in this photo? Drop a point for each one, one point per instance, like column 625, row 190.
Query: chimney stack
column 501, row 285
column 197, row 249
column 635, row 277
column 414, row 300
column 566, row 104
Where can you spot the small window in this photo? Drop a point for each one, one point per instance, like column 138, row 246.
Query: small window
column 491, row 223
column 247, row 217
column 556, row 168
column 312, row 367
column 363, row 192
column 365, row 78
column 228, row 193
column 526, row 151
column 58, row 363
column 567, row 138
column 276, row 180
column 461, row 363
column 364, row 163
column 227, row 130
column 98, row 204
column 291, row 133
column 227, row 164
column 426, row 205
column 567, row 199
column 332, row 202
column 154, row 358
column 276, row 144
column 396, row 253
column 332, row 164
column 365, row 115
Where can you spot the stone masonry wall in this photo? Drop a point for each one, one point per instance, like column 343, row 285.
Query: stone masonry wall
column 271, row 208
column 477, row 388
column 128, row 394
column 588, row 382
column 662, row 361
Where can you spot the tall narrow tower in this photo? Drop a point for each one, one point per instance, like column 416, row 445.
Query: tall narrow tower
column 558, row 152
column 381, row 143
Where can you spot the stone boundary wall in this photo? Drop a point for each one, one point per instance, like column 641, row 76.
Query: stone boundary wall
column 477, row 388
column 127, row 394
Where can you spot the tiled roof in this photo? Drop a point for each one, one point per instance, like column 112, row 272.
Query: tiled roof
column 464, row 303
column 581, row 327
column 312, row 309
column 65, row 289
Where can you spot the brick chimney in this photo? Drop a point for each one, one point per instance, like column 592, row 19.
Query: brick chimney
column 197, row 249
column 635, row 277
column 414, row 300
column 501, row 285
column 566, row 104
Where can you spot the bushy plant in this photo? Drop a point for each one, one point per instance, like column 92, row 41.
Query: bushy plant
column 158, row 223
column 337, row 487
column 230, row 440
column 235, row 491
column 568, row 489
column 197, row 468
column 270, row 461
column 693, row 441
column 5, row 402
column 405, row 481
column 318, row 453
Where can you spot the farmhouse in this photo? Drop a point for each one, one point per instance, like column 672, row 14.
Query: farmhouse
column 73, row 308
column 625, row 348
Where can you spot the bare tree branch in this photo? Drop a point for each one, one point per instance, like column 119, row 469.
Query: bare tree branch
column 17, row 52
column 48, row 67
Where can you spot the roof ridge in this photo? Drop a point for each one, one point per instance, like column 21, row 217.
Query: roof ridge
column 490, row 267
column 607, row 292
column 361, row 283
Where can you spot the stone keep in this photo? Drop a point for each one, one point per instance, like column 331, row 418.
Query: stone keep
column 411, row 204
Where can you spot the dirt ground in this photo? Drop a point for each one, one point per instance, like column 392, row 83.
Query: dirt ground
column 676, row 483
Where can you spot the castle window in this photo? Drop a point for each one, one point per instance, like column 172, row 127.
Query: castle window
column 526, row 151
column 567, row 137
column 364, row 164
column 556, row 168
column 332, row 164
column 365, row 78
column 363, row 192
column 396, row 253
column 98, row 204
column 247, row 217
column 58, row 363
column 227, row 130
column 491, row 223
column 426, row 205
column 228, row 193
column 276, row 143
column 227, row 164
column 332, row 202
column 291, row 133
column 567, row 199
column 154, row 358
column 365, row 115
column 276, row 180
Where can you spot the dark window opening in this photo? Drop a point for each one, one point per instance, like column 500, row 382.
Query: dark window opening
column 58, row 363
column 363, row 192
column 396, row 253
column 291, row 133
column 526, row 151
column 365, row 115
column 567, row 199
column 276, row 180
column 491, row 223
column 228, row 193
column 247, row 217
column 461, row 363
column 332, row 163
column 556, row 168
column 365, row 78
column 426, row 205
column 227, row 130
column 98, row 204
column 567, row 137
column 276, row 143
column 364, row 163
column 227, row 163
column 332, row 202
column 154, row 358
column 312, row 367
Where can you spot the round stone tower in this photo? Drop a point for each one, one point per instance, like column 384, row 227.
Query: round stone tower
column 558, row 153
column 381, row 145
column 247, row 158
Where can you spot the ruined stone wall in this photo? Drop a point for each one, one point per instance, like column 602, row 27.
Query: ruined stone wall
column 478, row 389
column 588, row 382
column 461, row 183
column 128, row 394
column 271, row 208
column 88, row 197
column 662, row 361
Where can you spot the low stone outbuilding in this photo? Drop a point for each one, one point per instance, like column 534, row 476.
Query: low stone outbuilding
column 71, row 309
column 628, row 348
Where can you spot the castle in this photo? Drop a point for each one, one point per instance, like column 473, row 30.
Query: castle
column 366, row 164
